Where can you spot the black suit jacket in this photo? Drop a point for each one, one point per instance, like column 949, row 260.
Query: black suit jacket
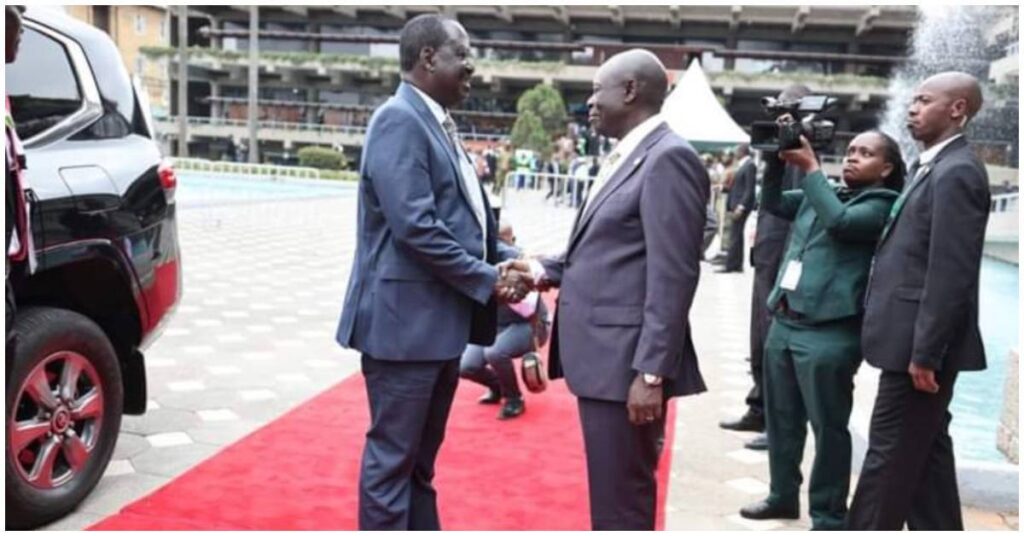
column 772, row 231
column 743, row 185
column 922, row 298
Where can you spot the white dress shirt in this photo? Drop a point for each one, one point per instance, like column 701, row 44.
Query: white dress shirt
column 928, row 155
column 622, row 149
column 466, row 168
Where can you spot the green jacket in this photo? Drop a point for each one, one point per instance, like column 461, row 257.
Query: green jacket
column 834, row 234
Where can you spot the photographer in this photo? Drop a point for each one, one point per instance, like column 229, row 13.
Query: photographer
column 813, row 347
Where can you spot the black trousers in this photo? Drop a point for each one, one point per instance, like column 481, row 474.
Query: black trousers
column 409, row 406
column 621, row 464
column 909, row 473
column 734, row 255
column 760, row 321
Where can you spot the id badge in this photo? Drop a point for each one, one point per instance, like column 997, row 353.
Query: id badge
column 791, row 277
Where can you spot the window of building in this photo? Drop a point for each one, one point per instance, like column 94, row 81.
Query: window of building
column 708, row 60
column 40, row 102
column 755, row 65
column 140, row 24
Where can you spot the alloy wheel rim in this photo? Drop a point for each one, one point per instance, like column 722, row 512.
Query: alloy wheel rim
column 56, row 421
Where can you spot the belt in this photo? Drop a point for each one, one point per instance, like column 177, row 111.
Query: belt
column 784, row 311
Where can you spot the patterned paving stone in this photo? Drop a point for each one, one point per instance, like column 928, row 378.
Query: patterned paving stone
column 748, row 485
column 169, row 439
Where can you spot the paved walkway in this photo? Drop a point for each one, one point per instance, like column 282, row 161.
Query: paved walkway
column 253, row 338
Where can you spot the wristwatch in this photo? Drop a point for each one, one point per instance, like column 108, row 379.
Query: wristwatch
column 652, row 380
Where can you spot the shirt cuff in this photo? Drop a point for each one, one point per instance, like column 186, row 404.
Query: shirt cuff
column 537, row 271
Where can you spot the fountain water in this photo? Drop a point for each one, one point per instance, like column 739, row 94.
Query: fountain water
column 949, row 38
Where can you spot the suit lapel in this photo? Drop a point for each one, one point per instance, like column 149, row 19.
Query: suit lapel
column 925, row 174
column 409, row 94
column 625, row 171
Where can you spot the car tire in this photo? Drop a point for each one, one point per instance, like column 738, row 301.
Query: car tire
column 51, row 473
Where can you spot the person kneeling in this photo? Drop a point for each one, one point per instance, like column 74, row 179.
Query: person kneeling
column 492, row 366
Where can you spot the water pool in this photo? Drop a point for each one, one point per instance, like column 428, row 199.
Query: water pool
column 978, row 399
column 200, row 190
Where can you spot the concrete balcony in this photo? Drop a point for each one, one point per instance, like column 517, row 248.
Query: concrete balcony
column 327, row 71
column 287, row 133
column 1005, row 70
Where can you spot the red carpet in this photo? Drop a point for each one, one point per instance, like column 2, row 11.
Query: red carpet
column 300, row 471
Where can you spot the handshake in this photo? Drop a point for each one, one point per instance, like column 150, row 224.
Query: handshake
column 515, row 281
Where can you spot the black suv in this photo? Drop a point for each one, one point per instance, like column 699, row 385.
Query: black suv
column 108, row 272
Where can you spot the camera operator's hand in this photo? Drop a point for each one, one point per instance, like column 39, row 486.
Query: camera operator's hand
column 802, row 158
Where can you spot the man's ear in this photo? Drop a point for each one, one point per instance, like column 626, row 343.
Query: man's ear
column 427, row 58
column 959, row 110
column 631, row 89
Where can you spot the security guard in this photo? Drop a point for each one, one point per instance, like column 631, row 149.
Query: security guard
column 813, row 346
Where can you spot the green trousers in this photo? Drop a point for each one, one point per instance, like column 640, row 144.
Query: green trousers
column 808, row 376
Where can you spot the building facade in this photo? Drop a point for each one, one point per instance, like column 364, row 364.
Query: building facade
column 134, row 29
column 324, row 69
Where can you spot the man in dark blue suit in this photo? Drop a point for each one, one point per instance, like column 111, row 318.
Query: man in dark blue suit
column 424, row 280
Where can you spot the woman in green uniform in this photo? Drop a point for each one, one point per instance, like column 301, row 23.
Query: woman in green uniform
column 813, row 347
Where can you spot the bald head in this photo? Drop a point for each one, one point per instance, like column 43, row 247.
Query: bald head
column 794, row 92
column 942, row 105
column 956, row 85
column 645, row 69
column 628, row 88
column 506, row 234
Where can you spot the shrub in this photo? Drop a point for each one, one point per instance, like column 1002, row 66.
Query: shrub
column 322, row 158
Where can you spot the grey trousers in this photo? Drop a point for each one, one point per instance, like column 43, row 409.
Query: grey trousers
column 513, row 341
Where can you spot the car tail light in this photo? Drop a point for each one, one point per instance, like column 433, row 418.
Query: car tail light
column 168, row 179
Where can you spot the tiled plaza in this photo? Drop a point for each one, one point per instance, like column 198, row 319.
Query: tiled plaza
column 253, row 337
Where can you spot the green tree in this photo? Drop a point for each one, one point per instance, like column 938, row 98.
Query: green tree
column 528, row 133
column 542, row 117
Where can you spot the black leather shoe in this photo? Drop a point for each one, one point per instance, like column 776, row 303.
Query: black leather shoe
column 758, row 443
column 766, row 510
column 512, row 408
column 492, row 396
column 728, row 271
column 749, row 422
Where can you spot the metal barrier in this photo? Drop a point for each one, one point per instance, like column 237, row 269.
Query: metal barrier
column 565, row 189
column 1005, row 202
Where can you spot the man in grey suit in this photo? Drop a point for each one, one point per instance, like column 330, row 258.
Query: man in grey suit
column 423, row 283
column 921, row 317
column 627, row 279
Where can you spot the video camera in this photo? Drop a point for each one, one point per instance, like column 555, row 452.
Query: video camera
column 774, row 136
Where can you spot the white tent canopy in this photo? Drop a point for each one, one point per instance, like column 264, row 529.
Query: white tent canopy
column 693, row 111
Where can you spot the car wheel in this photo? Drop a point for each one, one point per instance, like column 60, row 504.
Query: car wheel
column 64, row 404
